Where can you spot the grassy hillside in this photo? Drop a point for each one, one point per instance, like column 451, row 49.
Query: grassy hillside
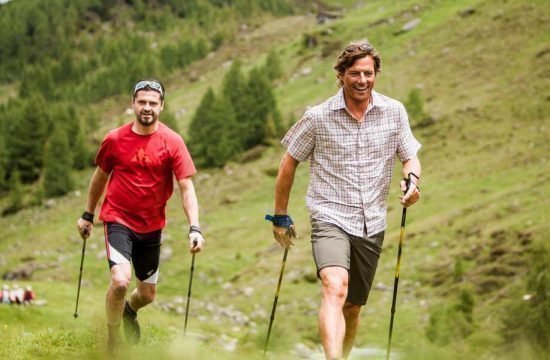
column 483, row 75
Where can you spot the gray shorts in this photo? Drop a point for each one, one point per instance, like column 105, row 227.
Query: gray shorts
column 332, row 246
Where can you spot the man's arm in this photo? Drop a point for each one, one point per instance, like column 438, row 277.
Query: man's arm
column 285, row 179
column 411, row 166
column 191, row 208
column 95, row 190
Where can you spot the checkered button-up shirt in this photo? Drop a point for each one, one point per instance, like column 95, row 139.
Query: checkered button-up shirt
column 351, row 162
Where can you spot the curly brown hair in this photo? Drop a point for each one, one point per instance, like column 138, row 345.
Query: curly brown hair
column 357, row 50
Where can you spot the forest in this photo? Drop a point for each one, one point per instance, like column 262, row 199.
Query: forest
column 62, row 57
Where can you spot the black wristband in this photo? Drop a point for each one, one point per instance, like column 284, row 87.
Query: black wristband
column 413, row 174
column 194, row 228
column 88, row 216
column 408, row 181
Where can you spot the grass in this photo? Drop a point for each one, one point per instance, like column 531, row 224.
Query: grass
column 484, row 160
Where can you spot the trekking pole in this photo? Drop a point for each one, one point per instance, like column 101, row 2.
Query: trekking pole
column 397, row 267
column 189, row 291
column 276, row 299
column 75, row 315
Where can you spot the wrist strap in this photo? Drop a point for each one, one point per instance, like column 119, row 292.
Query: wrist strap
column 194, row 228
column 88, row 216
column 280, row 220
column 413, row 174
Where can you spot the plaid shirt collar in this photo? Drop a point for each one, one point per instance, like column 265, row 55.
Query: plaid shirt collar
column 339, row 103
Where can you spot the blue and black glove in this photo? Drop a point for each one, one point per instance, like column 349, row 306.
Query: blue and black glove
column 285, row 222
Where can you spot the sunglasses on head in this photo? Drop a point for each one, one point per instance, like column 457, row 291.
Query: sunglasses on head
column 149, row 84
column 363, row 47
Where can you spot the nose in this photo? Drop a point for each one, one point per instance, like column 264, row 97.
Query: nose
column 363, row 78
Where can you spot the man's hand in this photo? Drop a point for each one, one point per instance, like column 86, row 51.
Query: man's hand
column 84, row 228
column 196, row 241
column 283, row 229
column 411, row 190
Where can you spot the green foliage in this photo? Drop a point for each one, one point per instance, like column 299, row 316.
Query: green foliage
column 15, row 199
column 58, row 164
column 81, row 154
column 27, row 136
column 458, row 272
column 273, row 66
column 169, row 119
column 212, row 131
column 261, row 102
column 451, row 322
column 251, row 117
column 415, row 106
column 83, row 52
column 3, row 163
column 528, row 318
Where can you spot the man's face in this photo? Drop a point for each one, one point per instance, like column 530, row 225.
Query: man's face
column 147, row 106
column 358, row 80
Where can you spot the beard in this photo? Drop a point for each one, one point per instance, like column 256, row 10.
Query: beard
column 147, row 119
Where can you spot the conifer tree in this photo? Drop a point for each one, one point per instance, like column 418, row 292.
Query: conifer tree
column 211, row 131
column 261, row 103
column 57, row 164
column 27, row 137
column 80, row 152
column 169, row 119
column 3, row 162
column 16, row 194
column 233, row 87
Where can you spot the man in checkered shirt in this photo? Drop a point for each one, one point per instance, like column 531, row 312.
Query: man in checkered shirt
column 351, row 141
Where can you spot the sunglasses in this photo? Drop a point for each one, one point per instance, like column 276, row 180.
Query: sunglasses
column 149, row 84
column 363, row 47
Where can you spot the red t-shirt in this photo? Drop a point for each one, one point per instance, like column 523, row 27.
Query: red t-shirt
column 140, row 182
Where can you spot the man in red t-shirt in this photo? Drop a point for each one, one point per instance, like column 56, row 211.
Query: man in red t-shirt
column 138, row 161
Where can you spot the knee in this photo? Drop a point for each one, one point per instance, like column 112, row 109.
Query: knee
column 119, row 286
column 335, row 285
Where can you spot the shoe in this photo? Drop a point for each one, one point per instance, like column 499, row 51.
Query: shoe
column 132, row 332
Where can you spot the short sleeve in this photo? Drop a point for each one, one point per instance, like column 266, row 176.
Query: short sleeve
column 300, row 139
column 104, row 157
column 182, row 163
column 408, row 146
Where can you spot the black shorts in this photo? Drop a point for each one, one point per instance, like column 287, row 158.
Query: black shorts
column 142, row 250
column 332, row 246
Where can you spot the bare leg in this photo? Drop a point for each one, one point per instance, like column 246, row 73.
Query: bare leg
column 142, row 295
column 332, row 324
column 351, row 314
column 114, row 303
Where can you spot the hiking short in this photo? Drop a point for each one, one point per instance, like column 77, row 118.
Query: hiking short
column 332, row 246
column 142, row 250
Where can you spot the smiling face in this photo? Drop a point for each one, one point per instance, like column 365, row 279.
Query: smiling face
column 358, row 81
column 147, row 107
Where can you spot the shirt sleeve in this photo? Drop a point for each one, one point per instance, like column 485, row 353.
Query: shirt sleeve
column 408, row 146
column 182, row 163
column 104, row 157
column 300, row 139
